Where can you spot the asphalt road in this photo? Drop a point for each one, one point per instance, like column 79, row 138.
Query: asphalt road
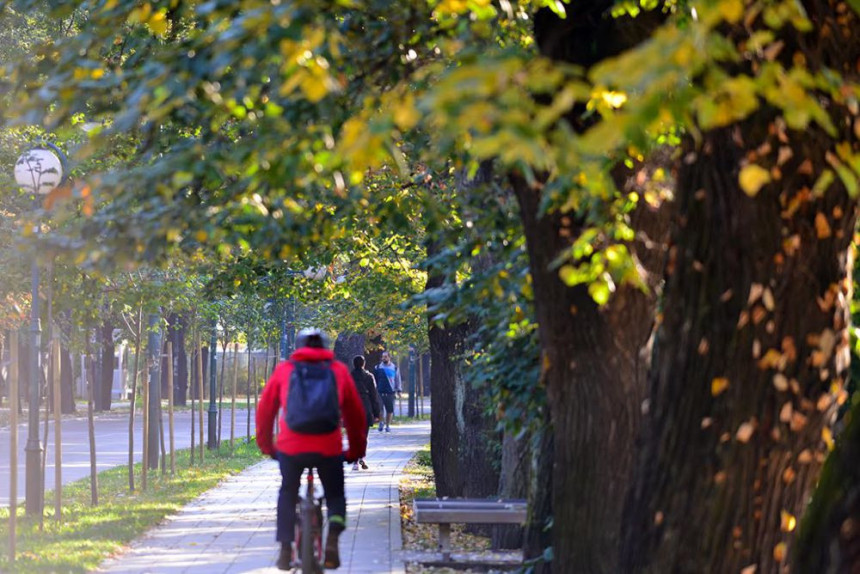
column 111, row 445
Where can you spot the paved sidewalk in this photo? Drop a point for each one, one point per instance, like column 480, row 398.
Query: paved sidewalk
column 231, row 528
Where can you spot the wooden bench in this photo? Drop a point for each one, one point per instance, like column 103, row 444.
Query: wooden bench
column 446, row 512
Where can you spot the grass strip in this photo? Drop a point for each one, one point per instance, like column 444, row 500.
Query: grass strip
column 88, row 535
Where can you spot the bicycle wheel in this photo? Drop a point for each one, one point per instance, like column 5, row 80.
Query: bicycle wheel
column 308, row 556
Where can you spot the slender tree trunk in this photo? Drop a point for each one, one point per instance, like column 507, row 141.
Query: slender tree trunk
column 200, row 379
column 56, row 374
column 221, row 390
column 248, row 392
column 170, row 405
column 91, row 430
column 67, row 386
column 137, row 344
column 195, row 358
column 108, row 350
column 233, row 394
column 181, row 383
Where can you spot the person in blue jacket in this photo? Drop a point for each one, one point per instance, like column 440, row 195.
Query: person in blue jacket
column 388, row 384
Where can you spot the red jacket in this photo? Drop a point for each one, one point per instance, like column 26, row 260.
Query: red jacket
column 274, row 399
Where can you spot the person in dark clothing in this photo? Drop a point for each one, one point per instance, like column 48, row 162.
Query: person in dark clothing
column 366, row 385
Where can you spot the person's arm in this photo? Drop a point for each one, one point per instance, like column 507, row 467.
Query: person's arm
column 375, row 401
column 354, row 419
column 267, row 410
column 398, row 382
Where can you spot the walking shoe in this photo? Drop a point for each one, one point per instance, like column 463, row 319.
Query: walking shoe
column 381, row 426
column 285, row 558
column 363, row 464
column 332, row 554
column 387, row 428
column 355, row 466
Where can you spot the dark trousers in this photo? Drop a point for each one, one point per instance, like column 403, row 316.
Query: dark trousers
column 387, row 402
column 330, row 473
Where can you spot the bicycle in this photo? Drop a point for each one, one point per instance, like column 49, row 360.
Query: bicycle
column 309, row 530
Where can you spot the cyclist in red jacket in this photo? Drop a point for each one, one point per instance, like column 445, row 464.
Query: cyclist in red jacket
column 296, row 451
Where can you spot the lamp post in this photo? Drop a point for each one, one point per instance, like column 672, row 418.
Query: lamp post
column 38, row 171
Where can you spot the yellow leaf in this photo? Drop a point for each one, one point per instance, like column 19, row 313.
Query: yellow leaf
column 405, row 114
column 719, row 385
column 752, row 178
column 771, row 359
column 745, row 432
column 780, row 381
column 731, row 10
column 158, row 23
column 201, row 236
column 313, row 87
column 787, row 521
column 779, row 552
column 827, row 435
column 822, row 226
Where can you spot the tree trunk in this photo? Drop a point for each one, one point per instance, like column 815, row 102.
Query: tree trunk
column 108, row 351
column 537, row 534
column 513, row 484
column 829, row 539
column 595, row 358
column 169, row 328
column 595, row 377
column 447, row 389
column 138, row 342
column 180, row 383
column 67, row 393
column 347, row 346
column 749, row 360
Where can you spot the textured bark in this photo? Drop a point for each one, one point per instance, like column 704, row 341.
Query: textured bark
column 445, row 382
column 537, row 534
column 595, row 380
column 480, row 450
column 756, row 293
column 347, row 346
column 829, row 540
column 513, row 484
column 595, row 358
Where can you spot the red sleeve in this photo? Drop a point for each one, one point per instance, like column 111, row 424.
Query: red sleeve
column 267, row 410
column 354, row 418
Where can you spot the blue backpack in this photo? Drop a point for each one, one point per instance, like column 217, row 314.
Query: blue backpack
column 313, row 406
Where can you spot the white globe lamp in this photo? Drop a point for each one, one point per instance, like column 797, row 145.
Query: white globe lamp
column 39, row 170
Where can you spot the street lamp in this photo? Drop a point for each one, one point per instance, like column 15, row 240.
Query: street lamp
column 38, row 171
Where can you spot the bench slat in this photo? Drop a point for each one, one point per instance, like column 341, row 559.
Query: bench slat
column 470, row 511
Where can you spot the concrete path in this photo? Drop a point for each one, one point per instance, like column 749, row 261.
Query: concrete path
column 231, row 528
column 111, row 445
